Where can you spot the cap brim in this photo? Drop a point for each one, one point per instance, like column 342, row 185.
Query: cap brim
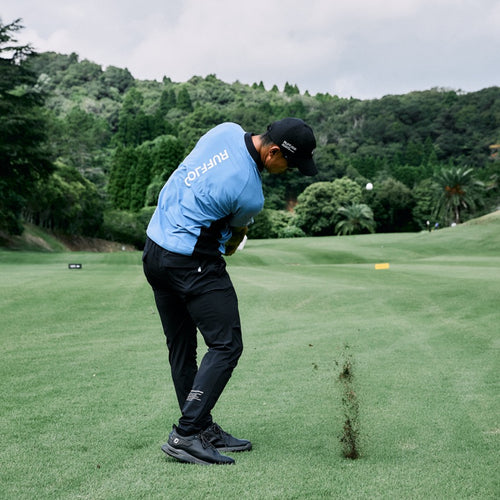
column 306, row 166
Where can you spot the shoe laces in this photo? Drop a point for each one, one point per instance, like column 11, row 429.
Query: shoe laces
column 217, row 429
column 205, row 441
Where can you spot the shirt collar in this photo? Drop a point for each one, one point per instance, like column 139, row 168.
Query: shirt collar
column 253, row 152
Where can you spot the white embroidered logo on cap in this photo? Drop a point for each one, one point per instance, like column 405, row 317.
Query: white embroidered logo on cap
column 288, row 146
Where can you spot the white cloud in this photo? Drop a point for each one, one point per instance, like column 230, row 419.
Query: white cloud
column 363, row 48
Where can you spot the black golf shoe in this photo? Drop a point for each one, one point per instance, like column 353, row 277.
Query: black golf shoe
column 223, row 441
column 195, row 449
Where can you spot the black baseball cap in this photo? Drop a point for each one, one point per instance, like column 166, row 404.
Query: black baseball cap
column 296, row 141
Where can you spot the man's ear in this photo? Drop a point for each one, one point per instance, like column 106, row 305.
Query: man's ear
column 274, row 150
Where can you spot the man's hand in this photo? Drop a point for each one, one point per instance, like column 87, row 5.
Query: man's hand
column 236, row 238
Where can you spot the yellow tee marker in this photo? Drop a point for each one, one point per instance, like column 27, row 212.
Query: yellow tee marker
column 384, row 265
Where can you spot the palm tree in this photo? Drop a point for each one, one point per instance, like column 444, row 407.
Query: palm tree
column 356, row 218
column 458, row 190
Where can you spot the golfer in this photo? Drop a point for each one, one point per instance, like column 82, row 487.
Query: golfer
column 202, row 214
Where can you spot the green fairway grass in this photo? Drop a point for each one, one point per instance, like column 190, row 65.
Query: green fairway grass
column 86, row 397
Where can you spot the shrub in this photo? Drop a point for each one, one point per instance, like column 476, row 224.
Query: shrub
column 291, row 232
column 126, row 227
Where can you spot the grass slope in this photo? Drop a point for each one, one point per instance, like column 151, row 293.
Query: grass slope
column 86, row 399
column 35, row 239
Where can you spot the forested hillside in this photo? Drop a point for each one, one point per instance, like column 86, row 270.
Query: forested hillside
column 106, row 142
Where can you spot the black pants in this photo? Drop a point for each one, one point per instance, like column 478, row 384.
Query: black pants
column 193, row 293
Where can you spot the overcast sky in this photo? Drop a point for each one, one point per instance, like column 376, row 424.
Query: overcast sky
column 359, row 48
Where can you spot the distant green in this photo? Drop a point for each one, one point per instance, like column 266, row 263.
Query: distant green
column 86, row 399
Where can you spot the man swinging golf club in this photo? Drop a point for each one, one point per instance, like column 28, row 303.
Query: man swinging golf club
column 203, row 212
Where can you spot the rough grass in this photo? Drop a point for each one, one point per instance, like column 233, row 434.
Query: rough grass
column 86, row 399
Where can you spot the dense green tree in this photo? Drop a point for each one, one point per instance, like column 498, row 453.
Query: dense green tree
column 458, row 191
column 283, row 224
column 392, row 206
column 81, row 141
column 330, row 164
column 134, row 125
column 126, row 227
column 66, row 202
column 81, row 73
column 210, row 89
column 53, row 66
column 274, row 224
column 356, row 218
column 140, row 174
column 262, row 227
column 184, row 102
column 117, row 78
column 274, row 194
column 296, row 108
column 161, row 124
column 411, row 175
column 197, row 123
column 254, row 117
column 168, row 101
column 24, row 154
column 367, row 166
column 291, row 89
column 317, row 209
column 153, row 191
column 122, row 176
column 414, row 153
column 168, row 152
column 425, row 195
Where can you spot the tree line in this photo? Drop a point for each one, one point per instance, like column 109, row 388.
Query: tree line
column 85, row 150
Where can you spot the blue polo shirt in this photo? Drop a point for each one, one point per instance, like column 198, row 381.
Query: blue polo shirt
column 216, row 187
